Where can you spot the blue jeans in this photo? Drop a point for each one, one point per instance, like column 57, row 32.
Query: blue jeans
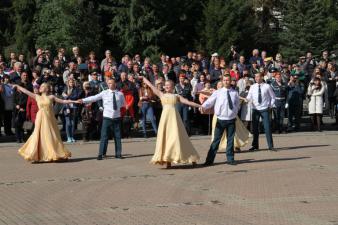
column 295, row 111
column 183, row 110
column 109, row 125
column 147, row 110
column 256, row 114
column 279, row 114
column 70, row 123
column 221, row 126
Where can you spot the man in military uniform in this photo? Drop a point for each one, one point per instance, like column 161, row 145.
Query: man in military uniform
column 295, row 90
column 184, row 89
column 280, row 90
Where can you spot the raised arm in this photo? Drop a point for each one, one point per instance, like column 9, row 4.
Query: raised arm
column 24, row 90
column 62, row 101
column 152, row 87
column 187, row 102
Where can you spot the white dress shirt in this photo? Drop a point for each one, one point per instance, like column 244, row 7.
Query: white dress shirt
column 219, row 99
column 268, row 96
column 107, row 98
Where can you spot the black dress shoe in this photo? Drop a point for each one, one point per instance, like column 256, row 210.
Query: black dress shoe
column 232, row 163
column 206, row 164
column 99, row 157
column 119, row 157
column 273, row 149
column 252, row 149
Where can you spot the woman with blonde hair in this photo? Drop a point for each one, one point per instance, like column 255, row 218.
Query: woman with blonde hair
column 172, row 143
column 70, row 111
column 45, row 143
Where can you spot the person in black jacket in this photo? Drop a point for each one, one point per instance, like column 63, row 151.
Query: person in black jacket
column 20, row 102
column 89, row 114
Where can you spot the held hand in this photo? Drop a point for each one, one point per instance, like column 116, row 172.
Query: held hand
column 79, row 101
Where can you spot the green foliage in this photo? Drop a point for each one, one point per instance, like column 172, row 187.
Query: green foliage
column 170, row 26
column 305, row 28
column 23, row 15
column 227, row 23
column 135, row 26
column 67, row 23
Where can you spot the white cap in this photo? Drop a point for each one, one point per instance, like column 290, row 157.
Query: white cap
column 214, row 54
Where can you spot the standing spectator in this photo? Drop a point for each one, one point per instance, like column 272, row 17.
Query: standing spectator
column 332, row 81
column 8, row 99
column 215, row 72
column 24, row 64
column 146, row 101
column 70, row 72
column 127, row 111
column 246, row 108
column 94, row 82
column 70, row 110
column 183, row 88
column 104, row 62
column 255, row 58
column 234, row 72
column 93, row 64
column 168, row 75
column 15, row 76
column 2, row 73
column 244, row 81
column 241, row 66
column 76, row 54
column 32, row 106
column 20, row 102
column 279, row 88
column 316, row 92
column 335, row 94
column 12, row 60
column 157, row 106
column 88, row 114
column 295, row 90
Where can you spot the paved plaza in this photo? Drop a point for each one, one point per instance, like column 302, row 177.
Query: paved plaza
column 296, row 185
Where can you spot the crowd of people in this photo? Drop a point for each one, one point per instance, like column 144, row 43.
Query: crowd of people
column 195, row 77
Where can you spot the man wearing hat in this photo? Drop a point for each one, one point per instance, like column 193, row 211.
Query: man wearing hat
column 295, row 90
column 184, row 89
column 279, row 88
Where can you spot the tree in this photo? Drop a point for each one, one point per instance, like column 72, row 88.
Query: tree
column 67, row 23
column 268, row 14
column 24, row 15
column 135, row 26
column 227, row 23
column 304, row 28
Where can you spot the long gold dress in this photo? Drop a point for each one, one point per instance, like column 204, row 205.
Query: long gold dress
column 45, row 143
column 241, row 134
column 172, row 143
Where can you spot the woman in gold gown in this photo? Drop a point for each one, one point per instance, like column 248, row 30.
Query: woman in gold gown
column 172, row 143
column 45, row 143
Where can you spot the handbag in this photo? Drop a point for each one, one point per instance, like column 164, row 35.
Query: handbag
column 28, row 125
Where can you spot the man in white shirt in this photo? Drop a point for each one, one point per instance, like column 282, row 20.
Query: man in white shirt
column 113, row 101
column 226, row 105
column 263, row 98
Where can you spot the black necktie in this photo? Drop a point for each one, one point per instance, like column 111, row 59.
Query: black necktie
column 114, row 102
column 259, row 94
column 231, row 106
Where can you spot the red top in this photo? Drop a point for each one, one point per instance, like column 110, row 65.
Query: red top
column 234, row 74
column 31, row 109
